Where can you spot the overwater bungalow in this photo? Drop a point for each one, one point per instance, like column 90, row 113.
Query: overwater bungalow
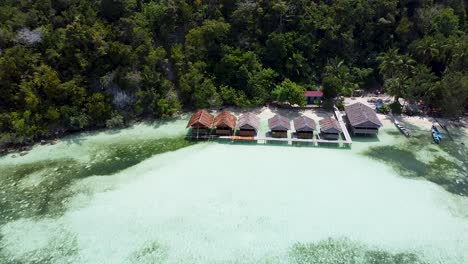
column 225, row 123
column 279, row 126
column 201, row 122
column 362, row 119
column 330, row 128
column 304, row 127
column 248, row 125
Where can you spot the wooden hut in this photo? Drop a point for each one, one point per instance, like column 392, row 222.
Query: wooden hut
column 201, row 123
column 248, row 125
column 225, row 123
column 304, row 127
column 279, row 126
column 330, row 128
column 362, row 119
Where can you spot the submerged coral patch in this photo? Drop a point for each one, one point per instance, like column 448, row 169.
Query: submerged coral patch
column 445, row 164
column 152, row 253
column 47, row 244
column 404, row 160
column 41, row 188
column 344, row 251
column 223, row 203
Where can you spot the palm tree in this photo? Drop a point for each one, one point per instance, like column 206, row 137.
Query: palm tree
column 428, row 50
column 388, row 63
column 396, row 70
column 349, row 79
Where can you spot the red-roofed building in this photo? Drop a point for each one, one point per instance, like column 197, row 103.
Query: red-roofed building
column 312, row 96
column 225, row 123
column 201, row 122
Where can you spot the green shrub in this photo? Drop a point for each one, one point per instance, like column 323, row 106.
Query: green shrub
column 116, row 121
column 385, row 109
column 340, row 105
column 408, row 110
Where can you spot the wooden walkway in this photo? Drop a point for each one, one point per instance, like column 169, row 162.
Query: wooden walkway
column 315, row 141
column 339, row 117
column 264, row 140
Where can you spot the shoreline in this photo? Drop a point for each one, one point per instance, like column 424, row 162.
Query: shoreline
column 263, row 112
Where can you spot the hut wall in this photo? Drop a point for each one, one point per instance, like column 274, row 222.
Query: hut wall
column 200, row 131
column 223, row 131
column 279, row 134
column 247, row 132
column 365, row 130
column 330, row 136
column 305, row 135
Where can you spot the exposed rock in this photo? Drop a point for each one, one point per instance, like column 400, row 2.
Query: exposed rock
column 28, row 37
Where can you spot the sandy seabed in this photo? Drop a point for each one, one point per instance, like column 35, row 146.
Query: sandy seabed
column 224, row 203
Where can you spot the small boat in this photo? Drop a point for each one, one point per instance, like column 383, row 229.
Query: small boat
column 436, row 136
column 402, row 128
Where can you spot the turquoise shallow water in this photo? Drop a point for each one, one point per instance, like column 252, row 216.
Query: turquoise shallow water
column 111, row 198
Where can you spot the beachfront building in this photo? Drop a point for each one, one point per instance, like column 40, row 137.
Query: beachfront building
column 304, row 127
column 201, row 123
column 362, row 119
column 313, row 96
column 330, row 128
column 225, row 123
column 279, row 126
column 248, row 125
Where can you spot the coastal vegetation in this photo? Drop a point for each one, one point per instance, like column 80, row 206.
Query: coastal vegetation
column 85, row 64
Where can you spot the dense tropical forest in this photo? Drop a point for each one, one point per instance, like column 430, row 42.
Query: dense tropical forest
column 69, row 65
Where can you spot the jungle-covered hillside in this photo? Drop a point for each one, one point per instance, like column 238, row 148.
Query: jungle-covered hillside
column 69, row 65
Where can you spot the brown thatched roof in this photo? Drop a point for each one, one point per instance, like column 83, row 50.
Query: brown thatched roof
column 249, row 121
column 304, row 124
column 279, row 122
column 225, row 119
column 362, row 115
column 330, row 125
column 203, row 118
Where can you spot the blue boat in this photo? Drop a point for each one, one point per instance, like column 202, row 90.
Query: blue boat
column 436, row 136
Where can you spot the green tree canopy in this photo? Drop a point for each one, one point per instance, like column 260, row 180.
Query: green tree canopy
column 290, row 92
column 72, row 65
column 446, row 22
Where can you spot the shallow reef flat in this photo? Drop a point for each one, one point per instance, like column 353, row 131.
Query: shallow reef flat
column 146, row 195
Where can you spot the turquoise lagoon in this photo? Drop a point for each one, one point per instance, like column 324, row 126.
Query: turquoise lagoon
column 144, row 195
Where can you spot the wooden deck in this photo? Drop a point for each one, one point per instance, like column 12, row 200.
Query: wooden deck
column 339, row 117
column 315, row 141
column 263, row 140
